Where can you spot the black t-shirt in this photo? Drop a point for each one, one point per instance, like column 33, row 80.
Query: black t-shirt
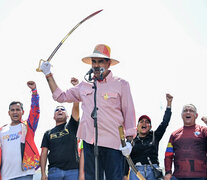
column 61, row 142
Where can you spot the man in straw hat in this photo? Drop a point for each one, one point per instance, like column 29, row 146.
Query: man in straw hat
column 115, row 108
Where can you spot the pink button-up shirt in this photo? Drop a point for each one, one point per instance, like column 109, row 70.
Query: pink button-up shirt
column 115, row 108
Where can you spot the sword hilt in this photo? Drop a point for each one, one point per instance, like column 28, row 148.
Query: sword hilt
column 128, row 158
column 38, row 69
column 122, row 137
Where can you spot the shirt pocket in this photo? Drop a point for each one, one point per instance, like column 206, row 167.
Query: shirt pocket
column 111, row 98
column 87, row 92
column 87, row 95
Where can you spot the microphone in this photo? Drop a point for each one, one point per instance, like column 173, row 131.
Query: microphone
column 102, row 69
column 89, row 74
column 90, row 71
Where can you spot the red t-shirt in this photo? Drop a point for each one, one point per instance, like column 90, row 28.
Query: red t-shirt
column 187, row 147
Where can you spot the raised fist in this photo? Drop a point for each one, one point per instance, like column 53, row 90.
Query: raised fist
column 74, row 81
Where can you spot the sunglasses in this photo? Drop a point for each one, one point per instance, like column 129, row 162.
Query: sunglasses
column 62, row 109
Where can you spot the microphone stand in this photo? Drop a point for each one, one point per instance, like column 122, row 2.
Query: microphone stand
column 94, row 116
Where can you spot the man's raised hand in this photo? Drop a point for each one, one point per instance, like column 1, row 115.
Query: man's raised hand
column 31, row 85
column 204, row 119
column 45, row 67
column 169, row 99
column 74, row 81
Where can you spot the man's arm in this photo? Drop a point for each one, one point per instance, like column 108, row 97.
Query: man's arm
column 75, row 109
column 35, row 110
column 43, row 162
column 169, row 99
column 81, row 166
column 128, row 111
column 169, row 156
column 71, row 95
column 204, row 119
column 51, row 81
column 45, row 67
column 166, row 118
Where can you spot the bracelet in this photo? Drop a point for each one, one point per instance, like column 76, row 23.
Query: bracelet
column 34, row 90
column 48, row 75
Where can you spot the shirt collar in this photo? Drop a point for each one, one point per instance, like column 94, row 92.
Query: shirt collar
column 107, row 78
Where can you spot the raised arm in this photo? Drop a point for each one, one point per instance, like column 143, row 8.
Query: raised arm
column 75, row 109
column 71, row 95
column 32, row 86
column 166, row 118
column 204, row 119
column 35, row 110
column 45, row 67
column 169, row 100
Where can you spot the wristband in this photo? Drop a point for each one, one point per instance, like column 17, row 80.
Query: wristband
column 34, row 90
column 48, row 75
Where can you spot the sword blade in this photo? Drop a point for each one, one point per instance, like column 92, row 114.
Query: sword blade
column 63, row 40
column 134, row 169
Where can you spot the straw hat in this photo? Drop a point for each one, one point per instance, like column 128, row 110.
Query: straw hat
column 100, row 51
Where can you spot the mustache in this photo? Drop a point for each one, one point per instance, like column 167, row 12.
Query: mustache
column 96, row 69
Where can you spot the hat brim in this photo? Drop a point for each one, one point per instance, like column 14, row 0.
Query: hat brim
column 144, row 117
column 87, row 59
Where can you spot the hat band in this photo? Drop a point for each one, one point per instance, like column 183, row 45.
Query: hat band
column 98, row 55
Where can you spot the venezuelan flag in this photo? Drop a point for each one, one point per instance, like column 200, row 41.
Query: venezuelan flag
column 169, row 150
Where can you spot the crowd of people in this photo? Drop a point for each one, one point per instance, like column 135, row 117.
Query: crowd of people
column 89, row 148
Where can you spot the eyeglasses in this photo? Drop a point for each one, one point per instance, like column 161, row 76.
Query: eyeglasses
column 190, row 110
column 62, row 109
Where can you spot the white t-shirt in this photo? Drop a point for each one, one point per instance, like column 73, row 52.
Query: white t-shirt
column 11, row 153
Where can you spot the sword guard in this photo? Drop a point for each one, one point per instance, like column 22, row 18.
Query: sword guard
column 40, row 62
